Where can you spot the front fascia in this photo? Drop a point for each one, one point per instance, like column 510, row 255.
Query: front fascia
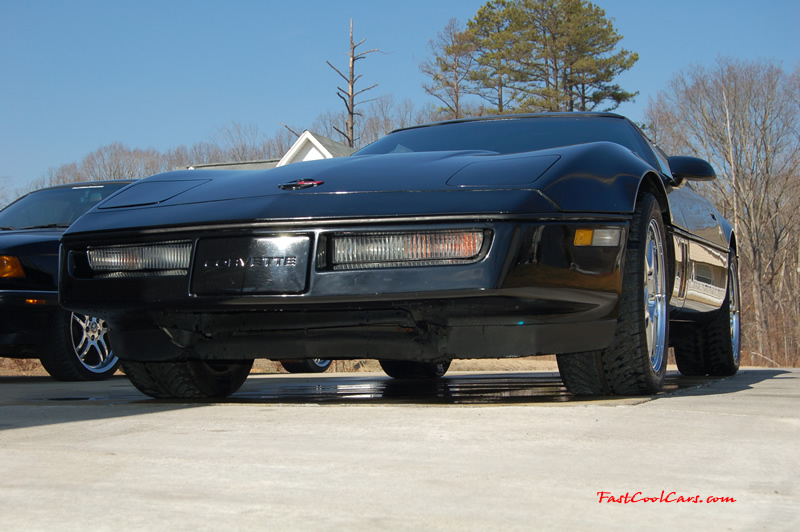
column 530, row 278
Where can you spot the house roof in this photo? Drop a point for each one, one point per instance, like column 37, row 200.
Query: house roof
column 243, row 165
column 309, row 147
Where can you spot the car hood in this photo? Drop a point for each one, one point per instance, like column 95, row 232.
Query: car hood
column 37, row 250
column 23, row 242
column 356, row 187
column 409, row 172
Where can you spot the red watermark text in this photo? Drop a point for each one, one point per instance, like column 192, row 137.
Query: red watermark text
column 665, row 497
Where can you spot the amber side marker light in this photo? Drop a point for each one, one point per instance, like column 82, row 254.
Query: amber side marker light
column 35, row 302
column 10, row 267
column 598, row 237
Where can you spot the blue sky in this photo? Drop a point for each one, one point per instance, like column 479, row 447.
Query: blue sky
column 79, row 74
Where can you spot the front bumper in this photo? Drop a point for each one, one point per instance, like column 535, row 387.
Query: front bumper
column 25, row 320
column 534, row 291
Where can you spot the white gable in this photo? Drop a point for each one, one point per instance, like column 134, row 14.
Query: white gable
column 309, row 147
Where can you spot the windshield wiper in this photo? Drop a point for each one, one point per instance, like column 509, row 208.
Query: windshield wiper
column 47, row 226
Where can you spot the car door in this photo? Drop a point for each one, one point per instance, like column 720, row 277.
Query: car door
column 701, row 252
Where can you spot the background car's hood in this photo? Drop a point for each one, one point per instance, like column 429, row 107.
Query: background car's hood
column 37, row 250
column 27, row 241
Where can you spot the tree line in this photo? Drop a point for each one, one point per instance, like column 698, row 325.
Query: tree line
column 233, row 142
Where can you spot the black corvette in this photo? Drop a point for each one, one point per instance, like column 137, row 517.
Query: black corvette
column 71, row 346
column 496, row 237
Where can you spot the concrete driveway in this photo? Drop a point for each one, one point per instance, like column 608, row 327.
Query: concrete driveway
column 357, row 452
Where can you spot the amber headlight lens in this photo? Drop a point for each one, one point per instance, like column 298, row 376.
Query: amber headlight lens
column 350, row 251
column 159, row 258
column 10, row 267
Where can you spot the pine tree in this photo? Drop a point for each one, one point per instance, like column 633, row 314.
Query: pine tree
column 547, row 55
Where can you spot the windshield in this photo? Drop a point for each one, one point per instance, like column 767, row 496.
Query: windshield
column 54, row 207
column 512, row 135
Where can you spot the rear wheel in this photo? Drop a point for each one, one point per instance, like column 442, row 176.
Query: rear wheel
column 687, row 343
column 636, row 361
column 409, row 369
column 188, row 379
column 723, row 336
column 306, row 365
column 80, row 349
column 713, row 348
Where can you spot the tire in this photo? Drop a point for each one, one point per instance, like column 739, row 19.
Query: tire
column 408, row 369
column 636, row 361
column 687, row 343
column 713, row 348
column 80, row 349
column 191, row 379
column 722, row 337
column 306, row 365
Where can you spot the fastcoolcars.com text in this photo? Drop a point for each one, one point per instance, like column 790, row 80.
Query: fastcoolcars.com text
column 664, row 497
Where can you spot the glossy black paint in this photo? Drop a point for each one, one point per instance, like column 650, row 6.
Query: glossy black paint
column 535, row 291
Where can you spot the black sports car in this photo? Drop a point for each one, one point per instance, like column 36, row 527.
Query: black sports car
column 494, row 237
column 71, row 346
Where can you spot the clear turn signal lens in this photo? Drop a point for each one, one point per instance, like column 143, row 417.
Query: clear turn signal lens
column 405, row 249
column 160, row 256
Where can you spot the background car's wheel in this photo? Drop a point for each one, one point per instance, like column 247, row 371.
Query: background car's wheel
column 408, row 369
column 713, row 348
column 188, row 379
column 80, row 349
column 307, row 365
column 636, row 361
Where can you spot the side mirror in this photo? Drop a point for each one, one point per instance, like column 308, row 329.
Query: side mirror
column 690, row 169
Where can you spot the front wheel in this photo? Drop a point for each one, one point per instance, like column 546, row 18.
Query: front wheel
column 636, row 361
column 80, row 349
column 191, row 379
column 409, row 369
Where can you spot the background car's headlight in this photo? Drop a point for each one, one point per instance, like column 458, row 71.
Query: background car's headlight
column 350, row 251
column 10, row 267
column 161, row 258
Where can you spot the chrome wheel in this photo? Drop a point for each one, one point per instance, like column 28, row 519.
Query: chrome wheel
column 90, row 343
column 655, row 296
column 734, row 310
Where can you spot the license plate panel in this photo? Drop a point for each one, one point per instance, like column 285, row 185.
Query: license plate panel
column 251, row 265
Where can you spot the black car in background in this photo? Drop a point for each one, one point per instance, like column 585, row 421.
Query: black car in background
column 503, row 236
column 71, row 346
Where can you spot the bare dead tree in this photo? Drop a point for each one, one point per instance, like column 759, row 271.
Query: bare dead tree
column 349, row 95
